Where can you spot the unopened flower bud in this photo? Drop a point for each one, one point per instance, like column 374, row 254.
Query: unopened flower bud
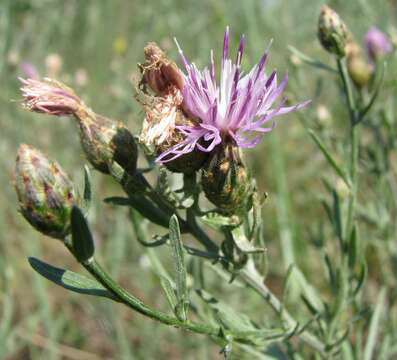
column 225, row 180
column 46, row 194
column 359, row 70
column 378, row 44
column 159, row 72
column 332, row 32
column 103, row 140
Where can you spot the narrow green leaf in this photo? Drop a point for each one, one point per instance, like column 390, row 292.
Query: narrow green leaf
column 118, row 201
column 227, row 316
column 169, row 292
column 69, row 280
column 337, row 219
column 218, row 221
column 241, row 241
column 83, row 243
column 180, row 269
column 339, row 171
column 361, row 278
column 87, row 187
column 136, row 220
column 353, row 248
column 374, row 326
column 310, row 61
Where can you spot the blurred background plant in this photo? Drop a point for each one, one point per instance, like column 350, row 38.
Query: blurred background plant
column 94, row 46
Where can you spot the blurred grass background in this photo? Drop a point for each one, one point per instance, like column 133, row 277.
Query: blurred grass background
column 98, row 44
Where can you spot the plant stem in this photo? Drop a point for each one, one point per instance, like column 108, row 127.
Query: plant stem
column 131, row 301
column 354, row 143
column 253, row 279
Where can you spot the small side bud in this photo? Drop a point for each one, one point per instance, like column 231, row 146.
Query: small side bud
column 332, row 32
column 45, row 193
column 359, row 70
column 225, row 180
column 159, row 72
column 378, row 44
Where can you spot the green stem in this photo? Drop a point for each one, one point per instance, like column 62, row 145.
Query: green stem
column 253, row 279
column 134, row 303
column 354, row 143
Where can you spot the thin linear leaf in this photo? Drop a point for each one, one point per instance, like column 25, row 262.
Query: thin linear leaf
column 83, row 243
column 143, row 206
column 353, row 248
column 329, row 157
column 169, row 292
column 180, row 268
column 87, row 187
column 374, row 325
column 218, row 221
column 337, row 219
column 243, row 244
column 226, row 315
column 310, row 61
column 69, row 280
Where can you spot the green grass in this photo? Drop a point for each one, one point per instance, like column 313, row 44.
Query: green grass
column 39, row 320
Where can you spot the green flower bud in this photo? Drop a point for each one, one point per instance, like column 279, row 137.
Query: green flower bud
column 45, row 193
column 332, row 32
column 105, row 140
column 225, row 180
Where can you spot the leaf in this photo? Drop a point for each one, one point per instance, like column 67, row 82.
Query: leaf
column 136, row 221
column 337, row 219
column 146, row 208
column 218, row 221
column 69, row 280
column 374, row 325
column 353, row 248
column 87, row 187
column 118, row 201
column 180, row 269
column 329, row 158
column 169, row 292
column 83, row 243
column 244, row 245
column 312, row 62
column 226, row 315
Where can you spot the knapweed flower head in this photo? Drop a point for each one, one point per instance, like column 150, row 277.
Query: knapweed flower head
column 377, row 42
column 238, row 108
column 49, row 96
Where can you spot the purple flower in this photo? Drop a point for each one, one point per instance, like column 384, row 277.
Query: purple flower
column 237, row 109
column 377, row 43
